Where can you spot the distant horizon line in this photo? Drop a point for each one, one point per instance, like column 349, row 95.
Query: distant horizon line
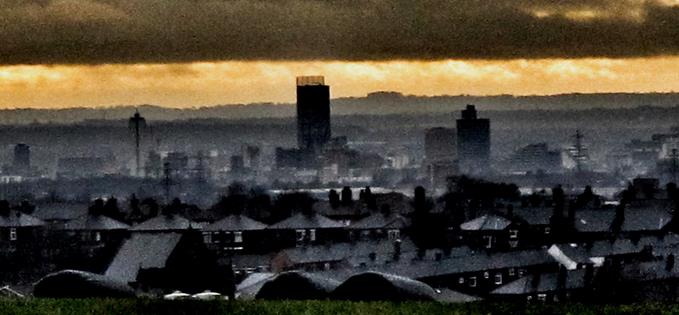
column 370, row 94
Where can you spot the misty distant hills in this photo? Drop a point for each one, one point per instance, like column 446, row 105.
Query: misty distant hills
column 378, row 103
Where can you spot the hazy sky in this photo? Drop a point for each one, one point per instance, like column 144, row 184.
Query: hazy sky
column 58, row 53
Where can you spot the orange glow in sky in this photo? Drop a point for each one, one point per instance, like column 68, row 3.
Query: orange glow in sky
column 205, row 84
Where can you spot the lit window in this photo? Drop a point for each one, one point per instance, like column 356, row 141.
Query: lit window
column 312, row 235
column 498, row 278
column 542, row 297
column 461, row 280
column 300, row 235
column 97, row 236
column 548, row 230
column 513, row 234
column 486, row 275
column 238, row 237
column 207, row 237
column 326, row 266
column 511, row 272
column 12, row 234
column 472, row 282
column 394, row 234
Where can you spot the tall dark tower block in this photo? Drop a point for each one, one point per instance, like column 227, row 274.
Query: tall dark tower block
column 22, row 158
column 473, row 142
column 137, row 124
column 313, row 113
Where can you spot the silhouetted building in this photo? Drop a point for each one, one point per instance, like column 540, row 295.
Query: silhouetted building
column 473, row 142
column 22, row 158
column 313, row 113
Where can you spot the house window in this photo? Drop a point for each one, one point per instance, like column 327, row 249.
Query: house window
column 486, row 275
column 207, row 237
column 12, row 234
column 300, row 235
column 97, row 236
column 511, row 272
column 513, row 234
column 472, row 282
column 312, row 235
column 542, row 297
column 394, row 234
column 498, row 278
column 238, row 237
column 461, row 280
column 488, row 240
column 548, row 230
column 326, row 266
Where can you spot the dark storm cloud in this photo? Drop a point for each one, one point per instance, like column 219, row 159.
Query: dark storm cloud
column 128, row 31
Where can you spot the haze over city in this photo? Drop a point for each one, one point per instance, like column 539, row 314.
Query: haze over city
column 472, row 156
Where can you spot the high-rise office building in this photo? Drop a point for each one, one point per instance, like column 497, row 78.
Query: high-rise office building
column 473, row 142
column 313, row 113
column 22, row 158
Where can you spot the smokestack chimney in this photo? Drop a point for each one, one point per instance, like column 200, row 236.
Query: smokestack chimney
column 346, row 196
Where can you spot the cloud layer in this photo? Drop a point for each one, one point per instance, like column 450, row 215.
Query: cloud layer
column 158, row 31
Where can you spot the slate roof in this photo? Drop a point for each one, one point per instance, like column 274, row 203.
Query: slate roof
column 17, row 219
column 594, row 221
column 235, row 223
column 142, row 250
column 353, row 252
column 92, row 222
column 487, row 222
column 60, row 211
column 165, row 223
column 548, row 282
column 464, row 264
column 645, row 219
column 534, row 216
column 302, row 221
column 380, row 221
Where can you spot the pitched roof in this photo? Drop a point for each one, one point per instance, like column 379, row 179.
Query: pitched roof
column 235, row 223
column 165, row 223
column 547, row 282
column 594, row 220
column 354, row 252
column 18, row 219
column 645, row 219
column 92, row 222
column 380, row 221
column 302, row 221
column 142, row 250
column 60, row 211
column 486, row 223
column 534, row 215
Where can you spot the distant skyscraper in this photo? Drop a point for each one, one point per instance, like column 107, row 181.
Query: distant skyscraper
column 473, row 142
column 22, row 158
column 136, row 124
column 313, row 113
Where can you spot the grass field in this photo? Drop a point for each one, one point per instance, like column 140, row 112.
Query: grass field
column 148, row 306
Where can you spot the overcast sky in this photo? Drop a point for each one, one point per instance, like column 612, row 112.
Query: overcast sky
column 204, row 52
